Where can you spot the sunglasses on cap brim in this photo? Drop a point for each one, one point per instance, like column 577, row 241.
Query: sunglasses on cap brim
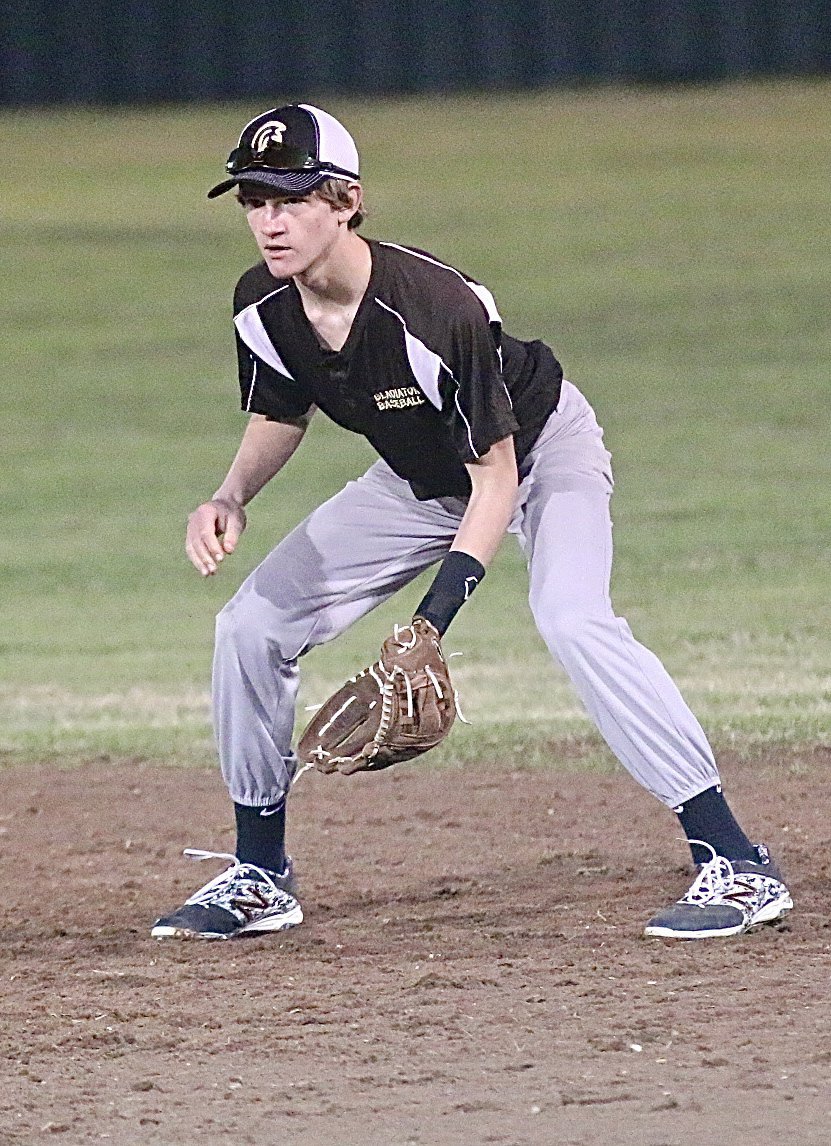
column 278, row 157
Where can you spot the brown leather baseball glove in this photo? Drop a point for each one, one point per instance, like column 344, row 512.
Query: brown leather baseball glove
column 399, row 707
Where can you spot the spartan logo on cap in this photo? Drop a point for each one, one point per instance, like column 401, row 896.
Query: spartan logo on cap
column 271, row 132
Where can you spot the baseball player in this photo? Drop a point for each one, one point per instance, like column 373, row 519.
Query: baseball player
column 477, row 433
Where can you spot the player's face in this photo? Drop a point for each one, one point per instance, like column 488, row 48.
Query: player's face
column 294, row 234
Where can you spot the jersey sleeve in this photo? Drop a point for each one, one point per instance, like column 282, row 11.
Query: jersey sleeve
column 263, row 390
column 475, row 400
column 266, row 387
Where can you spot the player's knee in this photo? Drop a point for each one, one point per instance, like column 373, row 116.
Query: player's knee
column 566, row 629
column 254, row 632
column 239, row 629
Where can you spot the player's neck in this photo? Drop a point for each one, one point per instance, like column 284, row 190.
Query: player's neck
column 340, row 278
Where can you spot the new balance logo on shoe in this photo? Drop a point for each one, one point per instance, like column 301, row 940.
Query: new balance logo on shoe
column 242, row 899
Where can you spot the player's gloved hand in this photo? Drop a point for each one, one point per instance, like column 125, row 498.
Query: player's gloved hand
column 213, row 532
column 396, row 709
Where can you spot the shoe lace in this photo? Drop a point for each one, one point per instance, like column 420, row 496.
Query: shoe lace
column 718, row 881
column 234, row 885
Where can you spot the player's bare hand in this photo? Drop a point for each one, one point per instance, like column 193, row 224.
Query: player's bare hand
column 213, row 532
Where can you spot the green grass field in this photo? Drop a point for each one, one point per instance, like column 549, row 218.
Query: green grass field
column 670, row 244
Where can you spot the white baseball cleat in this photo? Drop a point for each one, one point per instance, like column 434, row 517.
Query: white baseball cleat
column 240, row 900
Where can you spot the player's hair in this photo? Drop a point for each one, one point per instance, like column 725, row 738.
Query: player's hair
column 336, row 193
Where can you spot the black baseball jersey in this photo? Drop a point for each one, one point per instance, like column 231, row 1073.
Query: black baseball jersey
column 426, row 374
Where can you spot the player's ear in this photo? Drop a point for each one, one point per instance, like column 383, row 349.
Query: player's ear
column 355, row 195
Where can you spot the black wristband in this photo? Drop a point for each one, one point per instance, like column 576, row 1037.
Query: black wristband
column 458, row 576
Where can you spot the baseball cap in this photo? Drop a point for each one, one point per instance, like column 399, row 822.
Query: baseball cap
column 291, row 149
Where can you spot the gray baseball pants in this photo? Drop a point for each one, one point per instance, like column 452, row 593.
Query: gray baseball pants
column 374, row 537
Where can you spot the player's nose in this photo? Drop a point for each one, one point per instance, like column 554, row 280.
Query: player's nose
column 273, row 218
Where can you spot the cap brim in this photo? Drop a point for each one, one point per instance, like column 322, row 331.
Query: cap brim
column 290, row 182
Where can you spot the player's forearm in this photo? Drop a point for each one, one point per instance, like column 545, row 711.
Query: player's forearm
column 489, row 511
column 265, row 448
column 491, row 506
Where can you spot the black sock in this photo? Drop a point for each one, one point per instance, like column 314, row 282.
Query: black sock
column 707, row 817
column 261, row 838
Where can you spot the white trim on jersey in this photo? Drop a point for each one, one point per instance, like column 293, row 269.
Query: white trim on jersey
column 482, row 293
column 255, row 360
column 254, row 335
column 424, row 362
column 426, row 365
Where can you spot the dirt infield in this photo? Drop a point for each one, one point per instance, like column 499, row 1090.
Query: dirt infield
column 471, row 969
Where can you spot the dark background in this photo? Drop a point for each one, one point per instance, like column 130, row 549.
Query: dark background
column 151, row 51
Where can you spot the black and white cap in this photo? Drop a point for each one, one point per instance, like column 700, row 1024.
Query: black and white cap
column 291, row 149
